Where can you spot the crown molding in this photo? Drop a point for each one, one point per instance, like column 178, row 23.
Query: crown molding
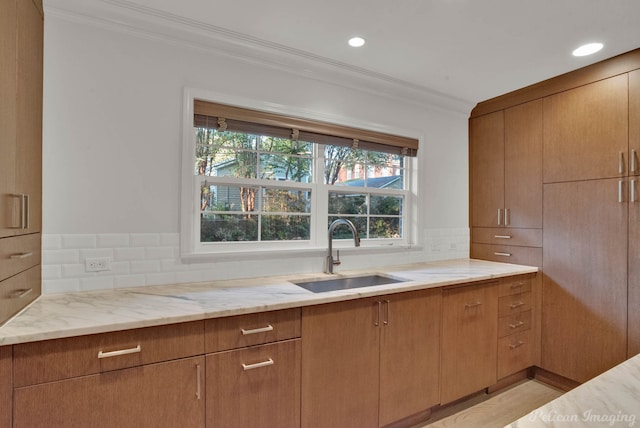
column 142, row 21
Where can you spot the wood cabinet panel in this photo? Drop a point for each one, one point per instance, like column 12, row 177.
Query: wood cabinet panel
column 8, row 91
column 340, row 364
column 6, row 387
column 253, row 329
column 410, row 354
column 51, row 360
column 523, row 165
column 486, row 146
column 586, row 130
column 507, row 236
column 584, row 315
column 18, row 291
column 514, row 323
column 515, row 353
column 633, row 304
column 18, row 254
column 266, row 396
column 507, row 254
column 163, row 394
column 28, row 165
column 469, row 335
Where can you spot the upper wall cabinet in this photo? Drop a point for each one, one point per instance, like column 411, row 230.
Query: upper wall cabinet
column 506, row 167
column 21, row 49
column 586, row 132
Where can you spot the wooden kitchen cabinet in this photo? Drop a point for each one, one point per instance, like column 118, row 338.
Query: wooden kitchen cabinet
column 586, row 132
column 21, row 64
column 370, row 362
column 253, row 370
column 584, row 313
column 469, row 340
column 167, row 394
column 151, row 376
column 506, row 167
column 6, row 387
column 633, row 327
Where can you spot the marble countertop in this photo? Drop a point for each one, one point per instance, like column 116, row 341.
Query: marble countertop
column 73, row 314
column 611, row 399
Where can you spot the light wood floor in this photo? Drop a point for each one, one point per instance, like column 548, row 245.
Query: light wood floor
column 496, row 410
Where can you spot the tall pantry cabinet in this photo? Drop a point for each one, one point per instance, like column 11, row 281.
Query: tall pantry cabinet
column 21, row 58
column 590, row 178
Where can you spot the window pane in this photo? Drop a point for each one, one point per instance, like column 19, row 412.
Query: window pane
column 286, row 200
column 285, row 168
column 343, row 203
column 228, row 227
column 285, row 227
column 386, row 205
column 228, row 198
column 384, row 227
column 343, row 231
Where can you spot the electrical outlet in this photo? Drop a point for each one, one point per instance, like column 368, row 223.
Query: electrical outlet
column 97, row 264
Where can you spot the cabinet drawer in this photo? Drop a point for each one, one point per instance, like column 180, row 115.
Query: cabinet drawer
column 255, row 386
column 514, row 323
column 515, row 303
column 168, row 394
column 507, row 236
column 18, row 254
column 18, row 291
column 57, row 359
column 515, row 353
column 530, row 256
column 515, row 285
column 253, row 329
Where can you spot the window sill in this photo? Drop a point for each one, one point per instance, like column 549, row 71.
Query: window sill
column 210, row 257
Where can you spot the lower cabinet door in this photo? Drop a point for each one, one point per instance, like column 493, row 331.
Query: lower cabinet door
column 167, row 394
column 255, row 387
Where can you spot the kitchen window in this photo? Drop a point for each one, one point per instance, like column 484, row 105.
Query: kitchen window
column 262, row 182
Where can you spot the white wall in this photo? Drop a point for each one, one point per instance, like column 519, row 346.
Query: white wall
column 112, row 147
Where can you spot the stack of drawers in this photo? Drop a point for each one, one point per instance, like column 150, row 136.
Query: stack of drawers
column 19, row 273
column 515, row 318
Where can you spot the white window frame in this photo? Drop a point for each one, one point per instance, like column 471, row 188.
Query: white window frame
column 192, row 248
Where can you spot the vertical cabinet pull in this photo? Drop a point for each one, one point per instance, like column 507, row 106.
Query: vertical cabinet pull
column 507, row 217
column 198, row 370
column 632, row 190
column 377, row 323
column 499, row 216
column 633, row 161
column 387, row 321
column 620, row 197
column 620, row 163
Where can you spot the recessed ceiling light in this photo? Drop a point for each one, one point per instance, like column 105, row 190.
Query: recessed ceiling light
column 588, row 49
column 356, row 42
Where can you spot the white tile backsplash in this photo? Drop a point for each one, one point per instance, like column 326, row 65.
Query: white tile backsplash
column 141, row 259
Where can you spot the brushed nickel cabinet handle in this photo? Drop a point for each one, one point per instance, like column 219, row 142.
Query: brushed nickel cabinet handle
column 257, row 330
column 632, row 190
column 472, row 305
column 516, row 325
column 502, row 254
column 27, row 212
column 246, row 367
column 377, row 322
column 198, row 386
column 516, row 305
column 119, row 352
column 516, row 345
column 21, row 255
column 633, row 161
column 387, row 321
column 518, row 285
column 19, row 294
column 507, row 217
column 499, row 216
column 620, row 162
column 502, row 236
column 620, row 197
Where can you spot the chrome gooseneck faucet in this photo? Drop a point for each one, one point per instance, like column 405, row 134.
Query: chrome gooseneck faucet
column 356, row 240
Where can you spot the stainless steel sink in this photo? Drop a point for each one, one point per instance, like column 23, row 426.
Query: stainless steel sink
column 346, row 283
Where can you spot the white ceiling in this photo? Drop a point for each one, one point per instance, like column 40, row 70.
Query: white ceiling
column 470, row 50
